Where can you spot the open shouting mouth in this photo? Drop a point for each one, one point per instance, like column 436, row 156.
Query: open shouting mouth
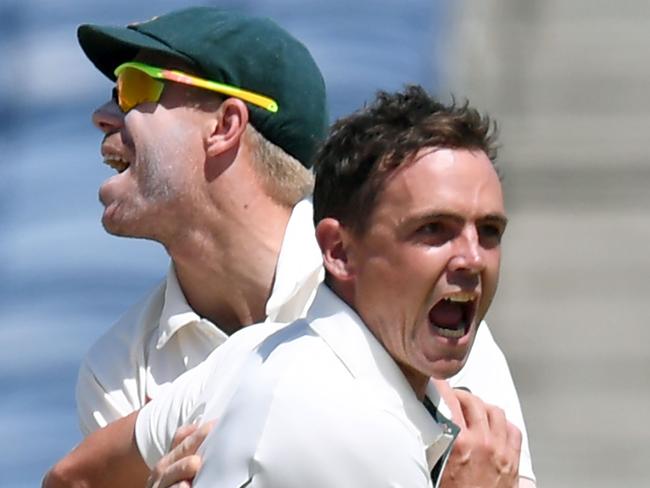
column 452, row 316
column 118, row 163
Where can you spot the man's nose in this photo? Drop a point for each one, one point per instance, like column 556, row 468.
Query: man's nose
column 108, row 118
column 468, row 253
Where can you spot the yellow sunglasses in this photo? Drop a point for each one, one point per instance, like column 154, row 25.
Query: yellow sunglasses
column 139, row 83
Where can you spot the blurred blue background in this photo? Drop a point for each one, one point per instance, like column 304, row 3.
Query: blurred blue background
column 64, row 280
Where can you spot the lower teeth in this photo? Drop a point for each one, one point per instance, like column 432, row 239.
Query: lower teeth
column 450, row 333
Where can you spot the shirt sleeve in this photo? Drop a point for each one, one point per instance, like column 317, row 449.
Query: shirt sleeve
column 110, row 383
column 184, row 400
column 98, row 404
column 178, row 403
column 109, row 386
column 487, row 375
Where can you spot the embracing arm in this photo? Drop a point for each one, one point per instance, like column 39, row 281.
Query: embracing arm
column 114, row 455
column 471, row 461
column 108, row 457
column 285, row 447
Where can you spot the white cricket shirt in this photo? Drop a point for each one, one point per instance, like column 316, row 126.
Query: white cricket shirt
column 161, row 338
column 316, row 403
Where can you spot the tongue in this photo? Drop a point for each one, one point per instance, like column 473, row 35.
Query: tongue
column 446, row 314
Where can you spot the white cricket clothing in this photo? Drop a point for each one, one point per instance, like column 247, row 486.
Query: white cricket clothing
column 316, row 403
column 161, row 337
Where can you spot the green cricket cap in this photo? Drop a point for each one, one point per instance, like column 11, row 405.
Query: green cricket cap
column 226, row 46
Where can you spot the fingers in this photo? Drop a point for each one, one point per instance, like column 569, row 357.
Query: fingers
column 514, row 439
column 487, row 449
column 181, row 484
column 191, row 443
column 498, row 425
column 463, row 388
column 485, row 433
column 177, row 473
column 181, row 464
column 474, row 412
column 449, row 396
column 182, row 433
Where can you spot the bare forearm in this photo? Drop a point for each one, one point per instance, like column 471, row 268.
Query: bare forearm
column 108, row 457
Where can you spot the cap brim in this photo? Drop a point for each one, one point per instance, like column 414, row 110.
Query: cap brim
column 108, row 47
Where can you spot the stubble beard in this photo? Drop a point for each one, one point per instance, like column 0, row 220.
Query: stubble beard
column 139, row 215
column 158, row 182
column 161, row 181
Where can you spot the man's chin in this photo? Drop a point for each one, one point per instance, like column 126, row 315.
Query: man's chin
column 114, row 230
column 443, row 369
column 125, row 228
column 114, row 225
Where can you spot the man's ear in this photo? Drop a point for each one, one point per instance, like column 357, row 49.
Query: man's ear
column 228, row 126
column 333, row 240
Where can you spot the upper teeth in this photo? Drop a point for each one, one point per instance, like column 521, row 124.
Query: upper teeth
column 460, row 297
column 117, row 163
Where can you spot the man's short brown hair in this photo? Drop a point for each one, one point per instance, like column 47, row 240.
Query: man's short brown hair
column 365, row 147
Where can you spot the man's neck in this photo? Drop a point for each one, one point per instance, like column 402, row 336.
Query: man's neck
column 227, row 276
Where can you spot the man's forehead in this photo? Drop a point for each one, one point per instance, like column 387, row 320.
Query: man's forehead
column 449, row 155
column 451, row 165
column 446, row 181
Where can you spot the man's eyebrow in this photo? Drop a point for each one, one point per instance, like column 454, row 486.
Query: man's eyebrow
column 425, row 216
column 495, row 217
column 444, row 214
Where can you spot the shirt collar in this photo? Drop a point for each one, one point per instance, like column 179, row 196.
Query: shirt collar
column 299, row 260
column 364, row 356
column 176, row 312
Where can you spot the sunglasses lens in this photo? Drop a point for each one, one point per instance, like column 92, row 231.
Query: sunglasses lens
column 135, row 87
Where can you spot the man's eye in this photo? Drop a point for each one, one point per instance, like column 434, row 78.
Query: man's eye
column 431, row 228
column 435, row 233
column 490, row 233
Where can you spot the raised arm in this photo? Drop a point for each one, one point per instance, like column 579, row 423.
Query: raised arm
column 487, row 376
column 487, row 449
